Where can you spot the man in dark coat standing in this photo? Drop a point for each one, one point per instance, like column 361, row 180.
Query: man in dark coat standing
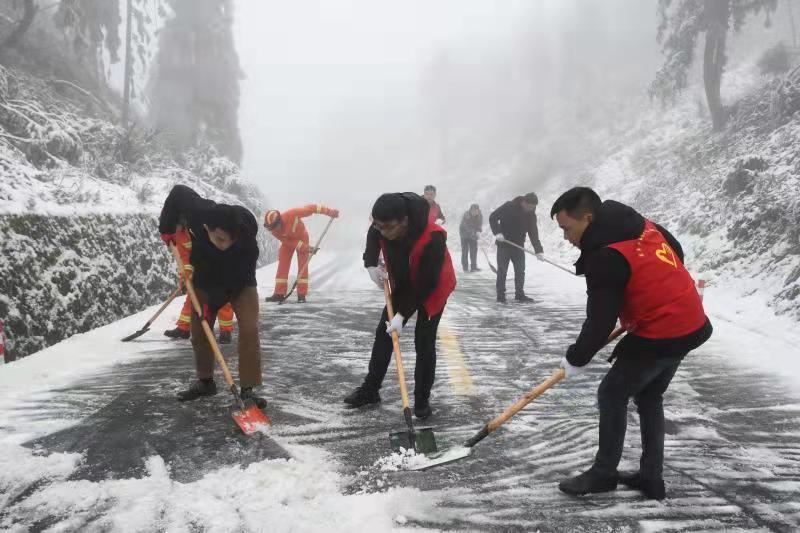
column 511, row 222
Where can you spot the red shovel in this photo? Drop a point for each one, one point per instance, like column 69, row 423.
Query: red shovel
column 248, row 417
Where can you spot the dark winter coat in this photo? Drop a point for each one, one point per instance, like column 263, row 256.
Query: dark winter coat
column 407, row 298
column 219, row 273
column 607, row 273
column 470, row 226
column 514, row 222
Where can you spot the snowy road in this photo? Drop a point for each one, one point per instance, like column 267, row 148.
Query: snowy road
column 92, row 438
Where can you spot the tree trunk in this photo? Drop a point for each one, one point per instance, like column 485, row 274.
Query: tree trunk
column 126, row 96
column 716, row 13
column 22, row 26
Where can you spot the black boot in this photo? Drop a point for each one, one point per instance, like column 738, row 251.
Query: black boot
column 653, row 489
column 501, row 298
column 588, row 483
column 363, row 395
column 177, row 333
column 422, row 409
column 224, row 337
column 301, row 299
column 523, row 298
column 475, row 269
column 249, row 397
column 199, row 388
column 275, row 298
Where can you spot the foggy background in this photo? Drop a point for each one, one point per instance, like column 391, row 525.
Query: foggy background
column 343, row 101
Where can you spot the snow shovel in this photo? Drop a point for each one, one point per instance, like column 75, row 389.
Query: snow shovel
column 491, row 266
column 248, row 417
column 302, row 270
column 146, row 327
column 546, row 260
column 465, row 450
column 422, row 440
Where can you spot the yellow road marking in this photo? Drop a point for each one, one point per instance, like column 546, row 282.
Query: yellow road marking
column 457, row 368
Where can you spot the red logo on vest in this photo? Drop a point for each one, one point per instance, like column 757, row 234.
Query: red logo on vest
column 661, row 300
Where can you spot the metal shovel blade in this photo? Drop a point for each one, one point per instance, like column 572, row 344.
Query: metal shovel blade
column 136, row 335
column 251, row 420
column 442, row 458
column 422, row 440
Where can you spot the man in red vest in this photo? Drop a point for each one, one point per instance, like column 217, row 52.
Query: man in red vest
column 634, row 270
column 435, row 213
column 420, row 270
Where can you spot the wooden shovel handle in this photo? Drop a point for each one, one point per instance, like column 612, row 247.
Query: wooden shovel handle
column 537, row 391
column 401, row 373
column 206, row 328
column 164, row 306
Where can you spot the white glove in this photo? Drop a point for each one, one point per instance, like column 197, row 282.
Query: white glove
column 500, row 238
column 377, row 274
column 571, row 370
column 540, row 256
column 395, row 324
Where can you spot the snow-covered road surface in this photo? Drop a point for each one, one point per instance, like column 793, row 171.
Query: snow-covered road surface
column 92, row 438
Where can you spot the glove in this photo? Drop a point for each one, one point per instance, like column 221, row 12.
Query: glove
column 168, row 238
column 500, row 238
column 377, row 275
column 540, row 256
column 571, row 370
column 333, row 213
column 395, row 324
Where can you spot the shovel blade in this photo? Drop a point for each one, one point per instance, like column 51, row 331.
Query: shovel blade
column 442, row 458
column 136, row 335
column 251, row 420
column 422, row 440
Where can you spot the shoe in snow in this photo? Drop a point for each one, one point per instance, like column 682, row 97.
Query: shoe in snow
column 475, row 269
column 422, row 409
column 177, row 333
column 363, row 395
column 589, row 482
column 199, row 388
column 653, row 489
column 523, row 298
column 501, row 298
column 224, row 337
column 275, row 298
column 301, row 299
column 248, row 396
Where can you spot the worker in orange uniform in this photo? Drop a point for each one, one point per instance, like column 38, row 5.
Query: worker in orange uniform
column 288, row 228
column 182, row 330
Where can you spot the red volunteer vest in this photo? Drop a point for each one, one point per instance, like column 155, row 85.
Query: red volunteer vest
column 661, row 301
column 435, row 303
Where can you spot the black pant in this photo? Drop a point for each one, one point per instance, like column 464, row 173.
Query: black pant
column 425, row 345
column 469, row 247
column 506, row 253
column 644, row 377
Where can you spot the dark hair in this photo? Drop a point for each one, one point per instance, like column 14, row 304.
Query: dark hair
column 577, row 202
column 389, row 206
column 430, row 188
column 531, row 198
column 226, row 218
column 475, row 206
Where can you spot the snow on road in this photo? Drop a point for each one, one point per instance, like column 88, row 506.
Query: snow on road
column 93, row 440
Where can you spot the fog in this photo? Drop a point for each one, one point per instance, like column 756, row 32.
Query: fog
column 344, row 100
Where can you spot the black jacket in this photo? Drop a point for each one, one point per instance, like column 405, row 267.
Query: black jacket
column 514, row 222
column 220, row 274
column 607, row 273
column 408, row 299
column 470, row 226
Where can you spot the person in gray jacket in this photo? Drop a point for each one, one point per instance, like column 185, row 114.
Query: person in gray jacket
column 471, row 225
